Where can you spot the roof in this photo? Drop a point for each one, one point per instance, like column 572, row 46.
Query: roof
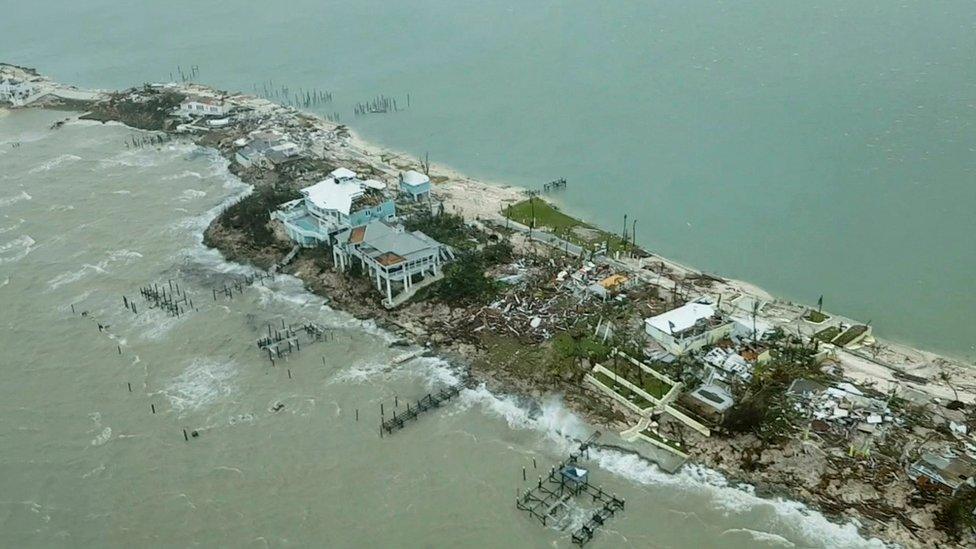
column 357, row 234
column 374, row 184
column 343, row 173
column 682, row 318
column 613, row 281
column 201, row 99
column 713, row 396
column 333, row 195
column 387, row 244
column 413, row 178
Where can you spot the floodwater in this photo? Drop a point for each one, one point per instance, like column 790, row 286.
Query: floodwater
column 820, row 147
column 84, row 221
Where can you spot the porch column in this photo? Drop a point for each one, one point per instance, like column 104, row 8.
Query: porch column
column 389, row 293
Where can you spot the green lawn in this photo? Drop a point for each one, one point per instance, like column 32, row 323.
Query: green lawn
column 651, row 384
column 852, row 333
column 827, row 334
column 816, row 316
column 640, row 401
column 567, row 227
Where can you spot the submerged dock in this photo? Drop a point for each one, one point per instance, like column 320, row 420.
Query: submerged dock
column 548, row 501
column 427, row 403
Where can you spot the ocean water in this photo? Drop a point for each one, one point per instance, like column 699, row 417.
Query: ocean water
column 816, row 148
column 85, row 461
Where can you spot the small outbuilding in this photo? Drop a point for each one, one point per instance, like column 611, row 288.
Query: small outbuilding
column 416, row 184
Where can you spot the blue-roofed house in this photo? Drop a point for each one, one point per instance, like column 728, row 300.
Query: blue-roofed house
column 416, row 184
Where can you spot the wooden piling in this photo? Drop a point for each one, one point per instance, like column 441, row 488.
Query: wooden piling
column 153, row 408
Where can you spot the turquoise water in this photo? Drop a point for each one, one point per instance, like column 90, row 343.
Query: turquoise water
column 821, row 147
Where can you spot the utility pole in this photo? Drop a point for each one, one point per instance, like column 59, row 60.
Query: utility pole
column 532, row 195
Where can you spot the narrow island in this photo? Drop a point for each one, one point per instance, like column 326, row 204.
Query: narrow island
column 793, row 400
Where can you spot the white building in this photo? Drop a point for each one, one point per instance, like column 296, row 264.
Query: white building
column 400, row 262
column 689, row 327
column 16, row 93
column 197, row 105
column 340, row 202
column 416, row 184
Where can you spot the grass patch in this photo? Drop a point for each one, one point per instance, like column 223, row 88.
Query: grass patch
column 537, row 213
column 827, row 334
column 653, row 386
column 815, row 316
column 638, row 400
column 850, row 335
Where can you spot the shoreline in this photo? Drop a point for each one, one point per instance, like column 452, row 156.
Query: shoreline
column 483, row 201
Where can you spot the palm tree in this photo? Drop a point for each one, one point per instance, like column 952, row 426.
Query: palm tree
column 947, row 379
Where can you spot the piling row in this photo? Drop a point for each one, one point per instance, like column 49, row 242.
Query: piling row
column 425, row 404
column 377, row 105
column 239, row 284
column 175, row 303
column 281, row 342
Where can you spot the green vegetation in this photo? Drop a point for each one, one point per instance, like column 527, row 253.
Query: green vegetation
column 623, row 391
column 536, row 212
column 546, row 215
column 762, row 407
column 447, row 229
column 653, row 386
column 150, row 112
column 827, row 334
column 850, row 335
column 576, row 345
column 816, row 316
column 249, row 215
column 955, row 516
column 465, row 281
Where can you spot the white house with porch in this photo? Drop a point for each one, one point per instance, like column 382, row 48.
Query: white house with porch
column 400, row 262
column 198, row 105
column 689, row 327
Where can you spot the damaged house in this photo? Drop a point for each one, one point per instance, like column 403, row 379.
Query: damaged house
column 340, row 202
column 400, row 262
column 689, row 327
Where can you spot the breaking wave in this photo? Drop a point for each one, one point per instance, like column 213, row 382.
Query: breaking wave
column 8, row 200
column 564, row 428
column 9, row 228
column 203, row 382
column 16, row 249
column 191, row 194
column 54, row 163
column 124, row 256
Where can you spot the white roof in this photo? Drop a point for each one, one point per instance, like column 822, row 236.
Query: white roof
column 374, row 184
column 343, row 173
column 682, row 318
column 333, row 195
column 413, row 178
